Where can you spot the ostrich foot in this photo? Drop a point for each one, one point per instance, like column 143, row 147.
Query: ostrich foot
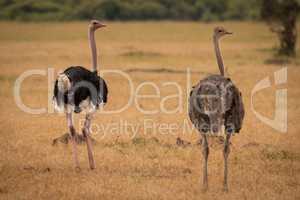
column 66, row 138
column 204, row 188
column 225, row 189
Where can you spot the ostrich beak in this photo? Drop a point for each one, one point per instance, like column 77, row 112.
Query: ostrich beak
column 229, row 33
column 100, row 25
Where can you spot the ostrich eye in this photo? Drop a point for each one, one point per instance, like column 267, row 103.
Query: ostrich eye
column 94, row 23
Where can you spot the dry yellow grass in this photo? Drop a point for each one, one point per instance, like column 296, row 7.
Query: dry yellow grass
column 264, row 164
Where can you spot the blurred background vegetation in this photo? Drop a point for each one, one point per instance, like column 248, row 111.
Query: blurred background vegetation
column 280, row 15
column 205, row 10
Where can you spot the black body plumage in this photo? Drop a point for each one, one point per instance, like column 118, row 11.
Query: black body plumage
column 83, row 84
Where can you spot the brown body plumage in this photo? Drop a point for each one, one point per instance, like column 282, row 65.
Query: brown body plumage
column 216, row 101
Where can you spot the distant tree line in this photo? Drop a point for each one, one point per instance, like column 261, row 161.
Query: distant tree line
column 205, row 10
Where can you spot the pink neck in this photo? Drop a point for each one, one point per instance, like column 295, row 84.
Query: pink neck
column 93, row 49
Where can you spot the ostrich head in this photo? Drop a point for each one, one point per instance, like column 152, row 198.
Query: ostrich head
column 95, row 24
column 220, row 32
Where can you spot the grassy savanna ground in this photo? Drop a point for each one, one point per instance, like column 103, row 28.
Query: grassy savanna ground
column 264, row 164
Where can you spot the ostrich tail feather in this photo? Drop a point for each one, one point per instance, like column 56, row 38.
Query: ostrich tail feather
column 63, row 83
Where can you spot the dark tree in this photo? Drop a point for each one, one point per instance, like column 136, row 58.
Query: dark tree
column 281, row 15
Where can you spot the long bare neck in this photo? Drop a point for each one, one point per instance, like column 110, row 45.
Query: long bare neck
column 219, row 56
column 93, row 49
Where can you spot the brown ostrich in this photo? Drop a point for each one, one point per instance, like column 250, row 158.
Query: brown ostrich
column 216, row 104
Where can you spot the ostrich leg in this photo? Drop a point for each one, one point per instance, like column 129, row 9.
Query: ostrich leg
column 73, row 139
column 86, row 134
column 226, row 152
column 205, row 152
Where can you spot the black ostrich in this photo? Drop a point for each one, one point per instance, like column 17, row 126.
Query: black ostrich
column 215, row 102
column 78, row 89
